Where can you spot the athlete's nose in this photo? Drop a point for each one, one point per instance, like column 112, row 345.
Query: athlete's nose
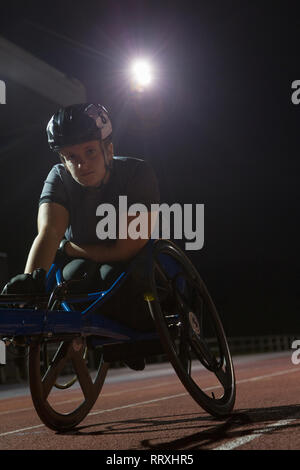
column 82, row 163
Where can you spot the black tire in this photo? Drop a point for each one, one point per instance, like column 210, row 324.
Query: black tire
column 191, row 330
column 41, row 384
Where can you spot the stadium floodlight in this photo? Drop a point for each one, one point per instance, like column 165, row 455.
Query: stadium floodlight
column 141, row 74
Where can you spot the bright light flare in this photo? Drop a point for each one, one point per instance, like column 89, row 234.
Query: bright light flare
column 141, row 73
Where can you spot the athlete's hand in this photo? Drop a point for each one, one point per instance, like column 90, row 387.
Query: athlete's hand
column 34, row 283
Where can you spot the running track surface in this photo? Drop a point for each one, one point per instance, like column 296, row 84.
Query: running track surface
column 151, row 410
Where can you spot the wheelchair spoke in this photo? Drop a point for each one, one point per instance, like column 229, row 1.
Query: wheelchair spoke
column 162, row 293
column 163, row 284
column 203, row 349
column 55, row 367
column 83, row 375
column 185, row 356
column 161, row 272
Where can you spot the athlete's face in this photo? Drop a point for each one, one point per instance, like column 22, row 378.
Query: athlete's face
column 85, row 162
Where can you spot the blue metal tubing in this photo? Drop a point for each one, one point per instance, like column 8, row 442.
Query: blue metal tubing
column 50, row 323
column 28, row 322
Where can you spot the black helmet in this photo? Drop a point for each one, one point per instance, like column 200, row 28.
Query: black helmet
column 78, row 123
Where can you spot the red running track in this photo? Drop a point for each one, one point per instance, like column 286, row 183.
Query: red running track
column 151, row 410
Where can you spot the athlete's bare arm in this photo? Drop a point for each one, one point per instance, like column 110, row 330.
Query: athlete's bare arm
column 52, row 223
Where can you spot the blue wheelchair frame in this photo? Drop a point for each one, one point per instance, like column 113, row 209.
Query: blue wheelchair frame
column 47, row 322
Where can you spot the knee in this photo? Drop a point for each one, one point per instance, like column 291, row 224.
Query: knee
column 78, row 269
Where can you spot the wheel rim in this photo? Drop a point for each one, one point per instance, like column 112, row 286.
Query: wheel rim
column 62, row 409
column 191, row 331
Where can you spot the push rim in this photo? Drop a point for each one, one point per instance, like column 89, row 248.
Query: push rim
column 191, row 330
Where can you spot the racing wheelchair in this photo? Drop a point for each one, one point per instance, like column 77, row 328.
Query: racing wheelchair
column 63, row 330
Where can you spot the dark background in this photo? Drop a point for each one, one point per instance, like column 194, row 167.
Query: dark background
column 218, row 126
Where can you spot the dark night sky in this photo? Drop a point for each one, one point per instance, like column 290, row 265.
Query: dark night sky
column 224, row 131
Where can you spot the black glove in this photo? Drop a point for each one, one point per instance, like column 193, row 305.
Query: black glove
column 34, row 283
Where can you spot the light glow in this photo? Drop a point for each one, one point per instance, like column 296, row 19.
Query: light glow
column 141, row 73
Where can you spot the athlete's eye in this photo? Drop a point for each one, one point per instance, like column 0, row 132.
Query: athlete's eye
column 90, row 151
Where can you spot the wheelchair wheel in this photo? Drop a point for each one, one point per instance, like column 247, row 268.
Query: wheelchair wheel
column 59, row 407
column 191, row 330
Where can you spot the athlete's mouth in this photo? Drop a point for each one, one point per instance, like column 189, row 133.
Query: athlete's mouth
column 88, row 173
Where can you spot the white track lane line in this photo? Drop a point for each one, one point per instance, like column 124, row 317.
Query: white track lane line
column 131, row 405
column 74, row 400
column 240, row 441
column 21, row 430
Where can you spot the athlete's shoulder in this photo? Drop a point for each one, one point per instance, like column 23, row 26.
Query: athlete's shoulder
column 58, row 171
column 130, row 163
column 59, row 168
column 120, row 160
